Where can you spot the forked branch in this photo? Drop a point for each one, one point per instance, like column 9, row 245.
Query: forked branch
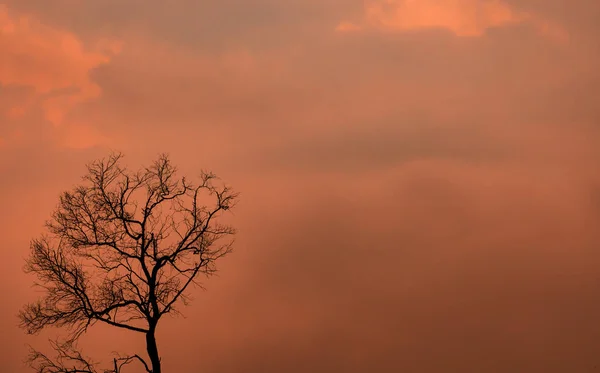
column 123, row 249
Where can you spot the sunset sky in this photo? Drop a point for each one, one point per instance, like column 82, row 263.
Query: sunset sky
column 419, row 179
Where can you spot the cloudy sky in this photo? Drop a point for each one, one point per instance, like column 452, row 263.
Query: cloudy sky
column 420, row 179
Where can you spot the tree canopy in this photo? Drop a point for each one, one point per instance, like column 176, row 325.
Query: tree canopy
column 124, row 248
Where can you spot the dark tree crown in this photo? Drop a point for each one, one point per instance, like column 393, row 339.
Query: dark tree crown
column 123, row 248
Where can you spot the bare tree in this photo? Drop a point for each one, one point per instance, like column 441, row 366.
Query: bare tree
column 123, row 249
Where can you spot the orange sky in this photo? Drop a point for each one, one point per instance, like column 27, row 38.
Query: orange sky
column 420, row 179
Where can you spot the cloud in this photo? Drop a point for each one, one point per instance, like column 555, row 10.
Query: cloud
column 401, row 191
column 465, row 18
column 53, row 63
column 384, row 274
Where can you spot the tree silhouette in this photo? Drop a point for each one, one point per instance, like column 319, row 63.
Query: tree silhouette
column 123, row 249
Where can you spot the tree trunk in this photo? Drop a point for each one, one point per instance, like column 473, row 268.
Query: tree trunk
column 153, row 351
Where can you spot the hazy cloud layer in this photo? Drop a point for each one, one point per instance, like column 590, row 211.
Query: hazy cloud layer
column 49, row 69
column 464, row 18
column 420, row 179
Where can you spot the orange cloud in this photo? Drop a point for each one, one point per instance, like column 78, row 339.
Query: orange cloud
column 16, row 112
column 53, row 62
column 82, row 136
column 465, row 18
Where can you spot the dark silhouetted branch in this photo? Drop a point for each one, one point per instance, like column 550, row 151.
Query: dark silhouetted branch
column 123, row 249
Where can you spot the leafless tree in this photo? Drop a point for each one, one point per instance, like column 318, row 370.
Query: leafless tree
column 123, row 249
